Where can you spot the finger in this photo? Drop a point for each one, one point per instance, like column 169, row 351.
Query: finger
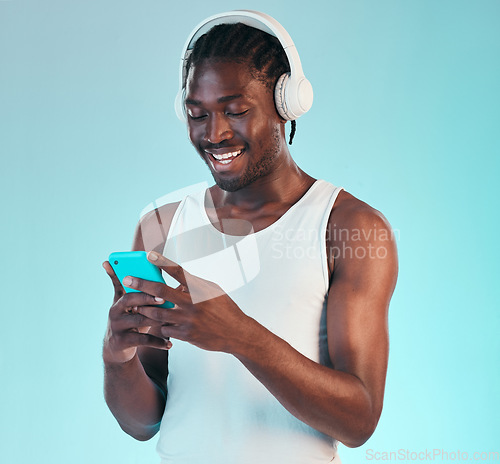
column 174, row 331
column 116, row 282
column 136, row 299
column 126, row 321
column 143, row 339
column 157, row 289
column 171, row 268
column 162, row 315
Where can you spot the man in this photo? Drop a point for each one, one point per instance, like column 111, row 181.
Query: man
column 273, row 366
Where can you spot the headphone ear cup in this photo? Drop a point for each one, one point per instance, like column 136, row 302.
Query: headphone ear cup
column 280, row 96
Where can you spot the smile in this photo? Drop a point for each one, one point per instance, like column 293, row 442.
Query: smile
column 225, row 158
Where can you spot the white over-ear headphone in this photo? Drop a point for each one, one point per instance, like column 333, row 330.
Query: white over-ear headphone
column 293, row 94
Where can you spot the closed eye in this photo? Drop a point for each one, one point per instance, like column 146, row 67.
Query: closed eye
column 237, row 114
column 196, row 118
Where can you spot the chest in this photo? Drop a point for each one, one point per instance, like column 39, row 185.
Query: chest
column 237, row 221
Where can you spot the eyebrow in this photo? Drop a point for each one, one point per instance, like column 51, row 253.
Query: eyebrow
column 225, row 99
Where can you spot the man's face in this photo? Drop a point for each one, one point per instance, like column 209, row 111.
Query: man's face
column 233, row 123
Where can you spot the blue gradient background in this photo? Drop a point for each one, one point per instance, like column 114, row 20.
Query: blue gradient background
column 406, row 117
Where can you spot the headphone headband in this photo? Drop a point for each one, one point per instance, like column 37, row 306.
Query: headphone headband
column 295, row 91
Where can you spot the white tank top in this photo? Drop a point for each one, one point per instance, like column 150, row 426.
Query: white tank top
column 217, row 412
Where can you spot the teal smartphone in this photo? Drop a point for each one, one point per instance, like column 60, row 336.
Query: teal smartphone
column 136, row 264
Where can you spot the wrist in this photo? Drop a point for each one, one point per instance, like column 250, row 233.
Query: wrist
column 249, row 340
column 115, row 359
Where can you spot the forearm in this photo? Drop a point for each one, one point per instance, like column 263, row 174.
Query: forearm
column 134, row 399
column 333, row 402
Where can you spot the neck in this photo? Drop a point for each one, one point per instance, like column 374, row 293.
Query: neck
column 286, row 184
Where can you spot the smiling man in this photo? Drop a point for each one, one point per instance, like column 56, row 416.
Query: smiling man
column 275, row 366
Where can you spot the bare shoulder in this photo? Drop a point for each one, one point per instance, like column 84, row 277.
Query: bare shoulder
column 350, row 212
column 152, row 230
column 357, row 231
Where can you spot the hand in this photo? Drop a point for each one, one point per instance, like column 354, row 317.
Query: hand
column 127, row 328
column 203, row 315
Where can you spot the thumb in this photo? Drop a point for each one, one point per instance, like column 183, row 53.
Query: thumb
column 119, row 291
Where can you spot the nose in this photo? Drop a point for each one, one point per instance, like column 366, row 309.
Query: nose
column 217, row 129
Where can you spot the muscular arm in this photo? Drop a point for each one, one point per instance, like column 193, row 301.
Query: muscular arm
column 344, row 402
column 135, row 376
column 136, row 401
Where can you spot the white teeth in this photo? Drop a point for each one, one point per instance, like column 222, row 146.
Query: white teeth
column 226, row 156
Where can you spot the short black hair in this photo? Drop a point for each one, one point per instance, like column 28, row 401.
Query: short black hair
column 238, row 42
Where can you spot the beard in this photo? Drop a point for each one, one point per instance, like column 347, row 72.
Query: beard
column 255, row 169
column 251, row 174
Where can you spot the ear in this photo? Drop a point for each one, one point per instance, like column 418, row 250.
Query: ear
column 282, row 120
